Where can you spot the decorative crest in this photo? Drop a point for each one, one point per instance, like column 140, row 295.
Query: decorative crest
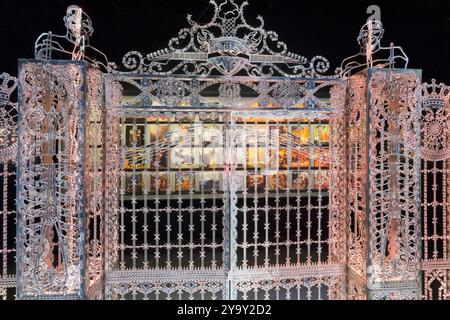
column 227, row 45
column 435, row 95
column 436, row 103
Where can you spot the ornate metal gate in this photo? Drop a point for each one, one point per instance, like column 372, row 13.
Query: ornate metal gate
column 222, row 167
column 286, row 219
column 206, row 193
column 167, row 218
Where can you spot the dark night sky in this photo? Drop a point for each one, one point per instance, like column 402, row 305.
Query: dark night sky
column 308, row 27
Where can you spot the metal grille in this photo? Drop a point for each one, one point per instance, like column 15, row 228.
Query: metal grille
column 171, row 205
column 7, row 231
column 435, row 191
column 282, row 182
column 210, row 205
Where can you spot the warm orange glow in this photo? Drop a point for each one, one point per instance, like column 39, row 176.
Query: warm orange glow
column 300, row 159
column 302, row 133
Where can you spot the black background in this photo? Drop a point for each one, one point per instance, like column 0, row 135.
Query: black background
column 309, row 28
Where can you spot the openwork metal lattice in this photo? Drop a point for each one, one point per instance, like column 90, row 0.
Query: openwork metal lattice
column 205, row 193
column 8, row 151
column 222, row 167
column 435, row 225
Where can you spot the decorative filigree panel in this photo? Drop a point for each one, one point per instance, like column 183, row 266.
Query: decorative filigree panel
column 394, row 185
column 228, row 46
column 8, row 152
column 313, row 282
column 435, row 191
column 50, row 200
column 93, row 181
column 219, row 92
column 111, row 192
column 167, row 285
column 338, row 175
column 357, row 186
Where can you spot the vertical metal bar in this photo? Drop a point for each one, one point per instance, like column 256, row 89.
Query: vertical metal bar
column 168, row 225
column 181, row 144
column 245, row 209
column 291, row 140
column 4, row 249
column 193, row 146
column 266, row 193
column 255, row 198
column 310, row 187
column 133, row 197
column 319, row 213
column 123, row 178
column 279, row 141
column 202, row 198
column 299, row 197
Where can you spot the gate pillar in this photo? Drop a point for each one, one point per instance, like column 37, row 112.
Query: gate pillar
column 59, row 185
column 393, row 184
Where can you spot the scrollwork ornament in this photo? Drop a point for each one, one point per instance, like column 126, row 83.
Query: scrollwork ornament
column 227, row 45
column 435, row 122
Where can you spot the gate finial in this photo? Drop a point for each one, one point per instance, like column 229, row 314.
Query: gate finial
column 369, row 40
column 227, row 45
column 75, row 44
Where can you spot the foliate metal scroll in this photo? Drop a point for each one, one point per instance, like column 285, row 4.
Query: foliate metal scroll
column 394, row 250
column 227, row 45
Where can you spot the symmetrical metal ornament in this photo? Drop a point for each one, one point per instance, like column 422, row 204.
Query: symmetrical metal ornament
column 228, row 45
column 222, row 167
